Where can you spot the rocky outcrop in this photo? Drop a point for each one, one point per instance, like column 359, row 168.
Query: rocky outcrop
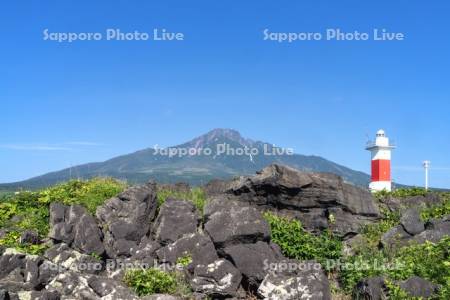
column 29, row 237
column 375, row 288
column 252, row 260
column 310, row 197
column 433, row 231
column 71, row 285
column 226, row 253
column 417, row 202
column 217, row 279
column 306, row 281
column 411, row 221
column 126, row 219
column 161, row 297
column 230, row 222
column 145, row 251
column 74, row 226
column 197, row 246
column 20, row 272
column 418, row 287
column 175, row 219
column 372, row 288
column 64, row 256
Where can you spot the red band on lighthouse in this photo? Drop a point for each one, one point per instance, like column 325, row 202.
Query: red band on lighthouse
column 381, row 170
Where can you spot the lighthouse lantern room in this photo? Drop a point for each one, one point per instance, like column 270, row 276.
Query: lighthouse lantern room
column 381, row 162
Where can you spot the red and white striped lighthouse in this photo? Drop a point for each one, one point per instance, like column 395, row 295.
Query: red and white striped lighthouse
column 381, row 162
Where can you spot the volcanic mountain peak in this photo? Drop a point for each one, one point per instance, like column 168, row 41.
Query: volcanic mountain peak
column 219, row 135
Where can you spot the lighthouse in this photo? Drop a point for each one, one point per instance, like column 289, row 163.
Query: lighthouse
column 381, row 162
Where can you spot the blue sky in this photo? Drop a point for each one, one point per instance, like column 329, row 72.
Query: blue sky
column 63, row 104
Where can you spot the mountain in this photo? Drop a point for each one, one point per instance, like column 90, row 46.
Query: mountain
column 206, row 160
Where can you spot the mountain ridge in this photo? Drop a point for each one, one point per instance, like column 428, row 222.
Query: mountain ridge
column 197, row 168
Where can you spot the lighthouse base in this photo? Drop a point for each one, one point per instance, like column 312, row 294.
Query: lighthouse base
column 377, row 186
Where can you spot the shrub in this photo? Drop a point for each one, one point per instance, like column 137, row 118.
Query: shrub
column 150, row 281
column 396, row 293
column 297, row 243
column 402, row 193
column 88, row 193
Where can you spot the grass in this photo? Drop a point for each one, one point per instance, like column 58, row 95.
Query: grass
column 154, row 281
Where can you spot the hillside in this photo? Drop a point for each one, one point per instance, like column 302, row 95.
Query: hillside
column 140, row 166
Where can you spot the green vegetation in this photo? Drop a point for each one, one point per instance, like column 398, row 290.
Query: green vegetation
column 88, row 193
column 428, row 260
column 184, row 260
column 154, row 281
column 30, row 210
column 195, row 195
column 11, row 240
column 372, row 232
column 396, row 293
column 297, row 243
column 437, row 211
column 150, row 281
column 402, row 193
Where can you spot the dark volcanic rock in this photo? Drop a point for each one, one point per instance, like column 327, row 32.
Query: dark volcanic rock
column 41, row 295
column 160, row 297
column 73, row 285
column 146, row 251
column 395, row 237
column 74, row 226
column 417, row 202
column 435, row 231
column 4, row 295
column 216, row 187
column 418, row 287
column 64, row 256
column 306, row 282
column 175, row 219
column 283, row 188
column 179, row 187
column 252, row 260
column 411, row 222
column 217, row 279
column 315, row 219
column 29, row 237
column 344, row 222
column 372, row 288
column 198, row 246
column 231, row 223
column 126, row 219
column 20, row 272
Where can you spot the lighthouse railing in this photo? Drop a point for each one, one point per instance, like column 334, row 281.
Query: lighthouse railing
column 371, row 144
